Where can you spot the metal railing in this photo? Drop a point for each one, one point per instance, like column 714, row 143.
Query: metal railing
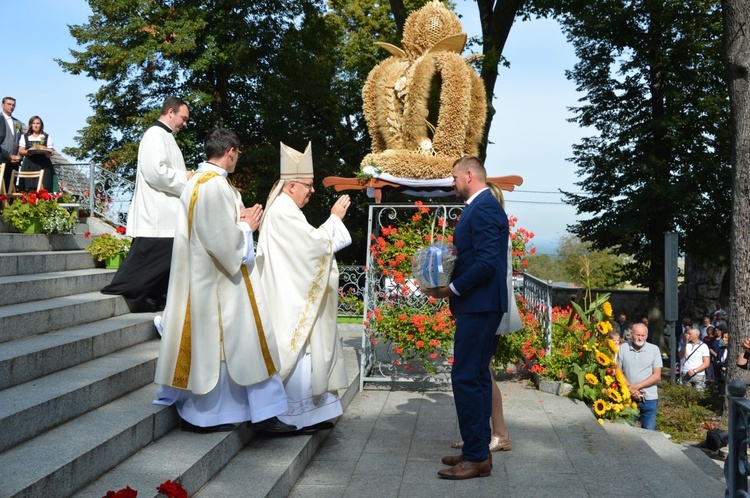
column 538, row 296
column 100, row 191
column 352, row 290
column 736, row 467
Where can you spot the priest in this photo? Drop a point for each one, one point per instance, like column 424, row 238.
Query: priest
column 296, row 265
column 218, row 360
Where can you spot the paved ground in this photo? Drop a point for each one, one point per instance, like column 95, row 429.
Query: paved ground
column 389, row 443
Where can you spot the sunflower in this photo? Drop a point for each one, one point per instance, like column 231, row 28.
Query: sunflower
column 600, row 328
column 608, row 379
column 620, row 377
column 600, row 406
column 615, row 396
column 607, row 309
column 612, row 345
column 600, row 420
column 634, row 405
column 602, row 359
column 625, row 392
column 591, row 379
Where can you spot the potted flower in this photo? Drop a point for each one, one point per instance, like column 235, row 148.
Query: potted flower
column 110, row 248
column 38, row 212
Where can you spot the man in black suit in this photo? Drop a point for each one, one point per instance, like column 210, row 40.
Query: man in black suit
column 478, row 298
column 12, row 130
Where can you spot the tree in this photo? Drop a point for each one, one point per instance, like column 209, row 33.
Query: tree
column 737, row 52
column 546, row 267
column 653, row 90
column 583, row 265
column 271, row 71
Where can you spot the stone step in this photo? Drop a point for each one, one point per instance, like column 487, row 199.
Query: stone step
column 35, row 287
column 59, row 462
column 18, row 242
column 44, row 261
column 270, row 466
column 29, row 409
column 39, row 317
column 667, row 468
column 33, row 357
column 192, row 459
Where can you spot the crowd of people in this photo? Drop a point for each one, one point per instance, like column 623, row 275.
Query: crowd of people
column 25, row 149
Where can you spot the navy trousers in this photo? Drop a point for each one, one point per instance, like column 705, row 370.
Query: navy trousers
column 472, row 381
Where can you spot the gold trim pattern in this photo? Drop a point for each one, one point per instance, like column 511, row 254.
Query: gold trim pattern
column 184, row 356
column 270, row 367
column 312, row 298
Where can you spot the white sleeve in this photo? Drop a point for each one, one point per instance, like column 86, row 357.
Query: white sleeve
column 248, row 258
column 340, row 237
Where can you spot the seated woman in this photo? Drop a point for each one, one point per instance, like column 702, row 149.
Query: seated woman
column 36, row 147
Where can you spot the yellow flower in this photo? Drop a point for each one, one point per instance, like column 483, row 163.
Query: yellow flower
column 612, row 345
column 620, row 377
column 625, row 392
column 602, row 359
column 617, row 407
column 600, row 406
column 600, row 420
column 600, row 328
column 608, row 380
column 607, row 308
column 591, row 379
column 615, row 396
column 634, row 405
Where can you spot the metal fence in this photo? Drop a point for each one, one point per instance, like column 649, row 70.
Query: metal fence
column 378, row 361
column 736, row 467
column 538, row 296
column 97, row 190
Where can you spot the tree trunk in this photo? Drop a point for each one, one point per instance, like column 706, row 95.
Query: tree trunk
column 496, row 22
column 737, row 49
column 702, row 287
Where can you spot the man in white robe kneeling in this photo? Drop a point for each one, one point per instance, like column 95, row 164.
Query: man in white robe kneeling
column 218, row 360
column 300, row 278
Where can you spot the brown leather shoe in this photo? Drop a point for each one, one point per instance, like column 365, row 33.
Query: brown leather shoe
column 467, row 470
column 452, row 460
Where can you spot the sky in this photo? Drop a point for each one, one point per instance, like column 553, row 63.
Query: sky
column 530, row 134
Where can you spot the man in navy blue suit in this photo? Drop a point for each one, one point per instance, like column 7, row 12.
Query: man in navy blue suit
column 478, row 298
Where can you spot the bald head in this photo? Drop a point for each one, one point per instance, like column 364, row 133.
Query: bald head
column 640, row 334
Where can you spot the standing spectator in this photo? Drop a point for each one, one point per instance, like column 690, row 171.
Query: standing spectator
column 695, row 359
column 719, row 354
column 161, row 176
column 650, row 329
column 37, row 147
column 218, row 360
column 478, row 298
column 705, row 323
column 620, row 324
column 641, row 364
column 297, row 268
column 719, row 316
column 9, row 145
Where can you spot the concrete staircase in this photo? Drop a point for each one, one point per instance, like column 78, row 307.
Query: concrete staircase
column 76, row 372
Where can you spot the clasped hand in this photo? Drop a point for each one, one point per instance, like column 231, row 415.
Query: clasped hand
column 252, row 216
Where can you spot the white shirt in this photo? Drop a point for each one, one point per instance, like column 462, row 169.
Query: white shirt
column 694, row 360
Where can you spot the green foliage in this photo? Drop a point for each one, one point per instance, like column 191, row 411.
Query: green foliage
column 107, row 246
column 588, row 267
column 654, row 92
column 684, row 412
column 43, row 206
column 546, row 267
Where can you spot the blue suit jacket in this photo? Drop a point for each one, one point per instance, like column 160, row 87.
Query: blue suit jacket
column 481, row 238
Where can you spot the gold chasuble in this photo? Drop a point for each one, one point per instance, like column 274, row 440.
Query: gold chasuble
column 214, row 312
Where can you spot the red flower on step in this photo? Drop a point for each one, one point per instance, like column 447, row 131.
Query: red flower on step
column 86, row 235
column 127, row 492
column 121, row 230
column 172, row 489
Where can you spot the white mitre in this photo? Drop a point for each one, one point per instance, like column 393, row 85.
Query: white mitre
column 294, row 165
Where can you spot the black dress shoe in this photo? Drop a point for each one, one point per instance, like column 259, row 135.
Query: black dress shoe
column 322, row 426
column 272, row 424
column 188, row 427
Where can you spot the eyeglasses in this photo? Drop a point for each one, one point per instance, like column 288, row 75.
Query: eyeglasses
column 308, row 185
